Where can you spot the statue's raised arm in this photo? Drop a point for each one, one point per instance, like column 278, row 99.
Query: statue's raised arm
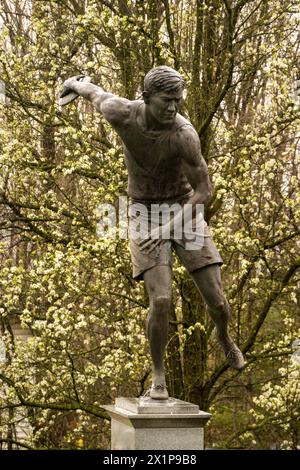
column 111, row 106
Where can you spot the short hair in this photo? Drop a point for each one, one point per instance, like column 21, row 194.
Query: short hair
column 163, row 78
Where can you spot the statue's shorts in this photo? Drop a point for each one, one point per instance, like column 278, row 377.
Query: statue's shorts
column 193, row 245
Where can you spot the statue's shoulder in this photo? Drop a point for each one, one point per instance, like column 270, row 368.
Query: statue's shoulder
column 119, row 111
column 132, row 111
column 182, row 123
column 182, row 126
column 184, row 135
column 134, row 106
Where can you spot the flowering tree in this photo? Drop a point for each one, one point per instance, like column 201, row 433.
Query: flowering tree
column 275, row 409
column 72, row 291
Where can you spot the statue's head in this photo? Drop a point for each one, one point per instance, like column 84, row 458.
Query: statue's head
column 163, row 90
column 163, row 78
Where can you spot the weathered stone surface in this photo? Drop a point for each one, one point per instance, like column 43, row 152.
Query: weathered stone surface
column 146, row 405
column 156, row 426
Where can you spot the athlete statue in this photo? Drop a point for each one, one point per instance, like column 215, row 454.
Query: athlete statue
column 165, row 166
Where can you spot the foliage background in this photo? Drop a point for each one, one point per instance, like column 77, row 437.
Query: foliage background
column 72, row 293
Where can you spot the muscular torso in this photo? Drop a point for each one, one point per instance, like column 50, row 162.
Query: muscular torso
column 155, row 169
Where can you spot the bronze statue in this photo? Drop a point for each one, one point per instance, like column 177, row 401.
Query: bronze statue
column 165, row 165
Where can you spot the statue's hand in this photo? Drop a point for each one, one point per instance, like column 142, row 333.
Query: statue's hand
column 70, row 83
column 149, row 244
column 69, row 92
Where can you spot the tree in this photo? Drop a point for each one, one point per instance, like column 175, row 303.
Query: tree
column 72, row 290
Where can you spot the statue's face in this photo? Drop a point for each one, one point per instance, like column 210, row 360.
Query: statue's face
column 164, row 106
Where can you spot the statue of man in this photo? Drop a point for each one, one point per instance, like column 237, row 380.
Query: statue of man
column 165, row 165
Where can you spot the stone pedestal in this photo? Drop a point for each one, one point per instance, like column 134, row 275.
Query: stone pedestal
column 147, row 424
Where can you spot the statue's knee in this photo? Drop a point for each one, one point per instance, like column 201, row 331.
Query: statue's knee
column 161, row 304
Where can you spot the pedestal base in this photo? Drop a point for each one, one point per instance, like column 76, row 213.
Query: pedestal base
column 146, row 424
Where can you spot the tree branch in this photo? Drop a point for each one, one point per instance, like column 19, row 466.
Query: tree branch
column 17, row 443
column 90, row 409
column 267, row 305
column 171, row 34
column 255, row 330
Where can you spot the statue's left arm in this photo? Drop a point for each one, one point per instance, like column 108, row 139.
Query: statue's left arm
column 186, row 144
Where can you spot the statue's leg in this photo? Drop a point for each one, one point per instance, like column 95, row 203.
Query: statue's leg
column 158, row 282
column 208, row 281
